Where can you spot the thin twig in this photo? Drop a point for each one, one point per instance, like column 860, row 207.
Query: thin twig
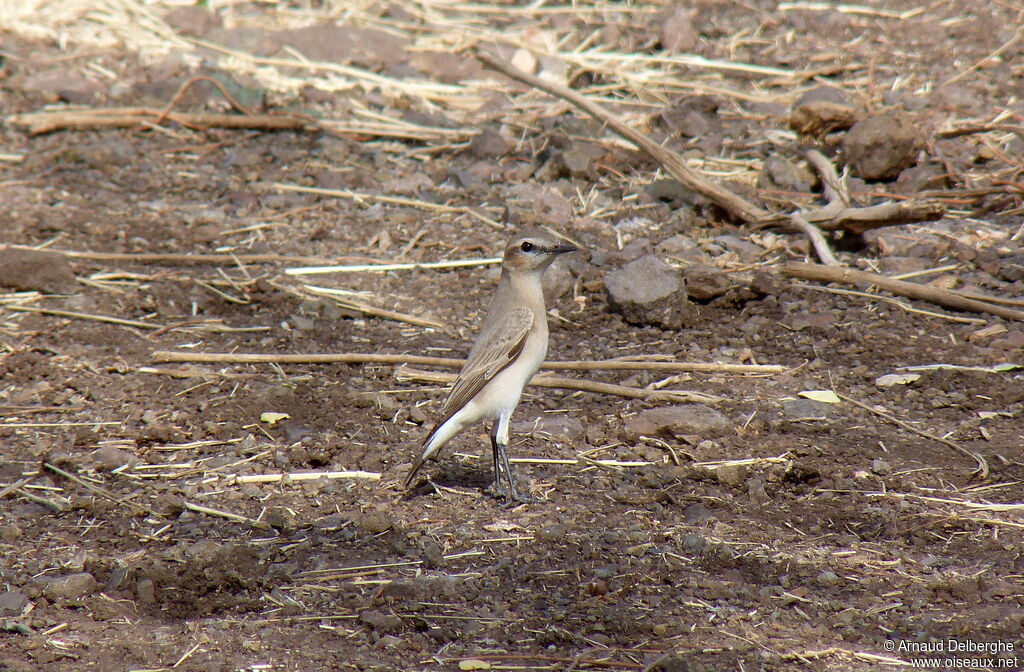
column 912, row 290
column 374, row 311
column 982, row 469
column 382, row 268
column 451, row 362
column 13, row 487
column 393, row 200
column 175, row 258
column 896, row 302
column 197, row 508
column 404, row 374
column 102, row 492
column 87, row 316
column 39, row 123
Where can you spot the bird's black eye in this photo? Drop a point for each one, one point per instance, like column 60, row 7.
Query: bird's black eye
column 527, row 246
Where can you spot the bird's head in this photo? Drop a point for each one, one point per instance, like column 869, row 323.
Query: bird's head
column 533, row 250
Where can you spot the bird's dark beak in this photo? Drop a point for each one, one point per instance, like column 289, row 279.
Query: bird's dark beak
column 562, row 248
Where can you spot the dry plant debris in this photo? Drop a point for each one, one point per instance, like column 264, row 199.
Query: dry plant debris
column 173, row 173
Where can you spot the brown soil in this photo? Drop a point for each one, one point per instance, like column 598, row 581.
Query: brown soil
column 861, row 534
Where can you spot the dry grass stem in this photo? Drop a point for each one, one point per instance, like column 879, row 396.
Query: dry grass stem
column 87, row 316
column 301, row 476
column 391, row 200
column 234, row 517
column 371, row 310
column 385, row 267
column 102, row 492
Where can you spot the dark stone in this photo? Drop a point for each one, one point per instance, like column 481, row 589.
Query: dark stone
column 488, row 143
column 31, row 270
column 881, row 146
column 677, row 421
column 648, row 291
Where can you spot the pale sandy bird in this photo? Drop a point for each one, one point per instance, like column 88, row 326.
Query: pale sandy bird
column 509, row 350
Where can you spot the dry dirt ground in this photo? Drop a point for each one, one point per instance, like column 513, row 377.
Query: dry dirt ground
column 829, row 538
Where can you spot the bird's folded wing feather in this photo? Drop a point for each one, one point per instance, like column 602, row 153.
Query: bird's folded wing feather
column 496, row 348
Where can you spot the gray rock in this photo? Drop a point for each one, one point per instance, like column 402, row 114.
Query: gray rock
column 778, row 172
column 363, row 47
column 807, row 409
column 145, row 591
column 388, row 642
column 921, row 178
column 675, row 245
column 696, row 513
column 704, row 283
column 557, row 282
column 693, row 543
column 553, row 533
column 676, row 421
column 381, row 622
column 62, row 84
column 648, row 291
column 31, row 270
column 12, row 603
column 672, row 192
column 108, row 458
column 828, row 578
column 69, row 587
column 631, row 251
column 731, row 474
column 555, row 426
column 488, row 144
column 747, row 250
column 881, row 146
column 374, row 522
column 194, row 21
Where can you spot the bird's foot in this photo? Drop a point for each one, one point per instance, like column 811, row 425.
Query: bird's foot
column 509, row 494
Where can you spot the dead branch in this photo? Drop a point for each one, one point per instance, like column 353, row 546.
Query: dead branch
column 449, row 362
column 941, row 297
column 736, row 205
column 38, row 123
column 818, row 241
column 405, row 374
column 889, row 213
column 855, row 220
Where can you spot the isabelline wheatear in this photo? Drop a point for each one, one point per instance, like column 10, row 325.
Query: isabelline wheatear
column 509, row 350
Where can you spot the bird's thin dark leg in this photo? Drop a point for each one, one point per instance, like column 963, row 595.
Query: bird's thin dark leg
column 504, row 488
column 513, row 493
column 499, row 463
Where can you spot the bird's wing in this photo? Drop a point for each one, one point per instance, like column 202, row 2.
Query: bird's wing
column 496, row 348
column 498, row 345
